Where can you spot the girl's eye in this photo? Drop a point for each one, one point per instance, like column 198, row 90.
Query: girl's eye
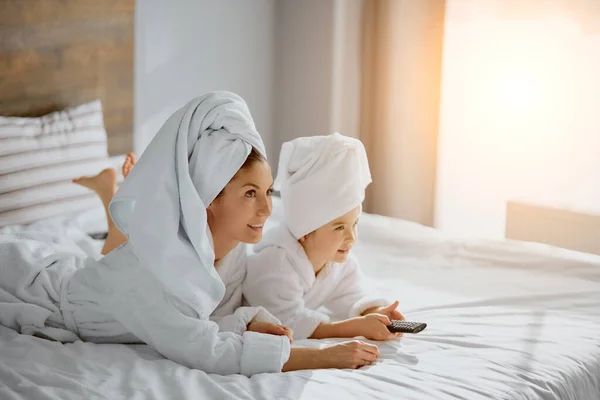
column 270, row 192
column 356, row 223
column 339, row 228
column 251, row 193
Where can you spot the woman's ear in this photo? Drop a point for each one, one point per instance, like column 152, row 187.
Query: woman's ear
column 302, row 239
column 214, row 203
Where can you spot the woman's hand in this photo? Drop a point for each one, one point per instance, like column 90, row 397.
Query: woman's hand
column 353, row 354
column 373, row 327
column 270, row 329
column 389, row 311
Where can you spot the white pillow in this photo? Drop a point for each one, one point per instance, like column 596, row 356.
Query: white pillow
column 40, row 156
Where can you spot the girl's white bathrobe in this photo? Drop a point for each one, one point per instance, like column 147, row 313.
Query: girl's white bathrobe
column 161, row 287
column 281, row 278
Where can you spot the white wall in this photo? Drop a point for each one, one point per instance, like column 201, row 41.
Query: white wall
column 186, row 48
column 296, row 63
column 317, row 69
column 519, row 117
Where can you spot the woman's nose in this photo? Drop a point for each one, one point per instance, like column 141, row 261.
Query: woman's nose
column 265, row 207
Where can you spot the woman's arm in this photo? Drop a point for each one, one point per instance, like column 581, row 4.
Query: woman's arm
column 353, row 354
column 151, row 315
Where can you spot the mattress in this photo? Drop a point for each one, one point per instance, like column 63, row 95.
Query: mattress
column 506, row 320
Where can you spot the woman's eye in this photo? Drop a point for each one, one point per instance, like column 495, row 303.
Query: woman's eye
column 270, row 192
column 339, row 228
column 251, row 193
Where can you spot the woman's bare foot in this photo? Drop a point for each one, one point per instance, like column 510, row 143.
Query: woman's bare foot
column 130, row 161
column 104, row 184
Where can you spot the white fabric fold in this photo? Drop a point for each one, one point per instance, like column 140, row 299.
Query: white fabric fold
column 161, row 206
column 320, row 179
column 239, row 320
column 262, row 350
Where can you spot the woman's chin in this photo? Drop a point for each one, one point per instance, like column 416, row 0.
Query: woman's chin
column 253, row 240
column 251, row 236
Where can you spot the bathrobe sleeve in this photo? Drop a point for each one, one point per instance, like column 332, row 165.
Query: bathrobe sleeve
column 156, row 318
column 272, row 282
column 229, row 314
column 348, row 297
column 238, row 321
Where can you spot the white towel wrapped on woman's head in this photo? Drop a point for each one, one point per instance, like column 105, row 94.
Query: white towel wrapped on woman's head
column 320, row 179
column 161, row 206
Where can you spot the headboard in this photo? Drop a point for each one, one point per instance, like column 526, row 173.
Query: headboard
column 60, row 53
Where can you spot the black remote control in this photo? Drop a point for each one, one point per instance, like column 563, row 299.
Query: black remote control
column 406, row 327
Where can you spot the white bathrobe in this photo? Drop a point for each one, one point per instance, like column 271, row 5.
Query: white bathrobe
column 281, row 278
column 232, row 270
column 66, row 297
column 161, row 287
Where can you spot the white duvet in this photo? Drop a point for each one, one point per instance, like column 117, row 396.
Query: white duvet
column 506, row 320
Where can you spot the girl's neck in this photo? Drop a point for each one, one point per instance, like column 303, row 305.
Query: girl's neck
column 317, row 263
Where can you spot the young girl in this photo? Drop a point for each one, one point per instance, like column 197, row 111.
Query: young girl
column 305, row 263
column 194, row 196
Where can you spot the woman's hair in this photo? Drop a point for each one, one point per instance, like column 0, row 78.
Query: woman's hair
column 253, row 158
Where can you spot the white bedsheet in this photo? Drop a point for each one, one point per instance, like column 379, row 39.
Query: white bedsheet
column 506, row 320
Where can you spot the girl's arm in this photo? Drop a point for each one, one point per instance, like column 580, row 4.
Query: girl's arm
column 340, row 329
column 348, row 297
column 373, row 327
column 272, row 282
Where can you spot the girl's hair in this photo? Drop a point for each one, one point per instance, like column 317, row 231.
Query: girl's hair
column 253, row 158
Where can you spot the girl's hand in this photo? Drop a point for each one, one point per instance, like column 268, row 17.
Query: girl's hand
column 389, row 311
column 373, row 327
column 270, row 329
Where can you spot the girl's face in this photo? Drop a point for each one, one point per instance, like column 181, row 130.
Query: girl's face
column 332, row 242
column 241, row 210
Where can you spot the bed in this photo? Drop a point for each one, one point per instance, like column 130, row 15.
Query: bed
column 506, row 319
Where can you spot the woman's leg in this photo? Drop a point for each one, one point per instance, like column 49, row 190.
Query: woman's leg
column 105, row 186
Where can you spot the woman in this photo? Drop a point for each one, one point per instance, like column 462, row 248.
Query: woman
column 187, row 204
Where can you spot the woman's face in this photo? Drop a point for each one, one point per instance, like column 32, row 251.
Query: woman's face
column 244, row 205
column 332, row 242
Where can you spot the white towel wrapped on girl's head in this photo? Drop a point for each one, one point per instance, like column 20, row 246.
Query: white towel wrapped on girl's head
column 320, row 179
